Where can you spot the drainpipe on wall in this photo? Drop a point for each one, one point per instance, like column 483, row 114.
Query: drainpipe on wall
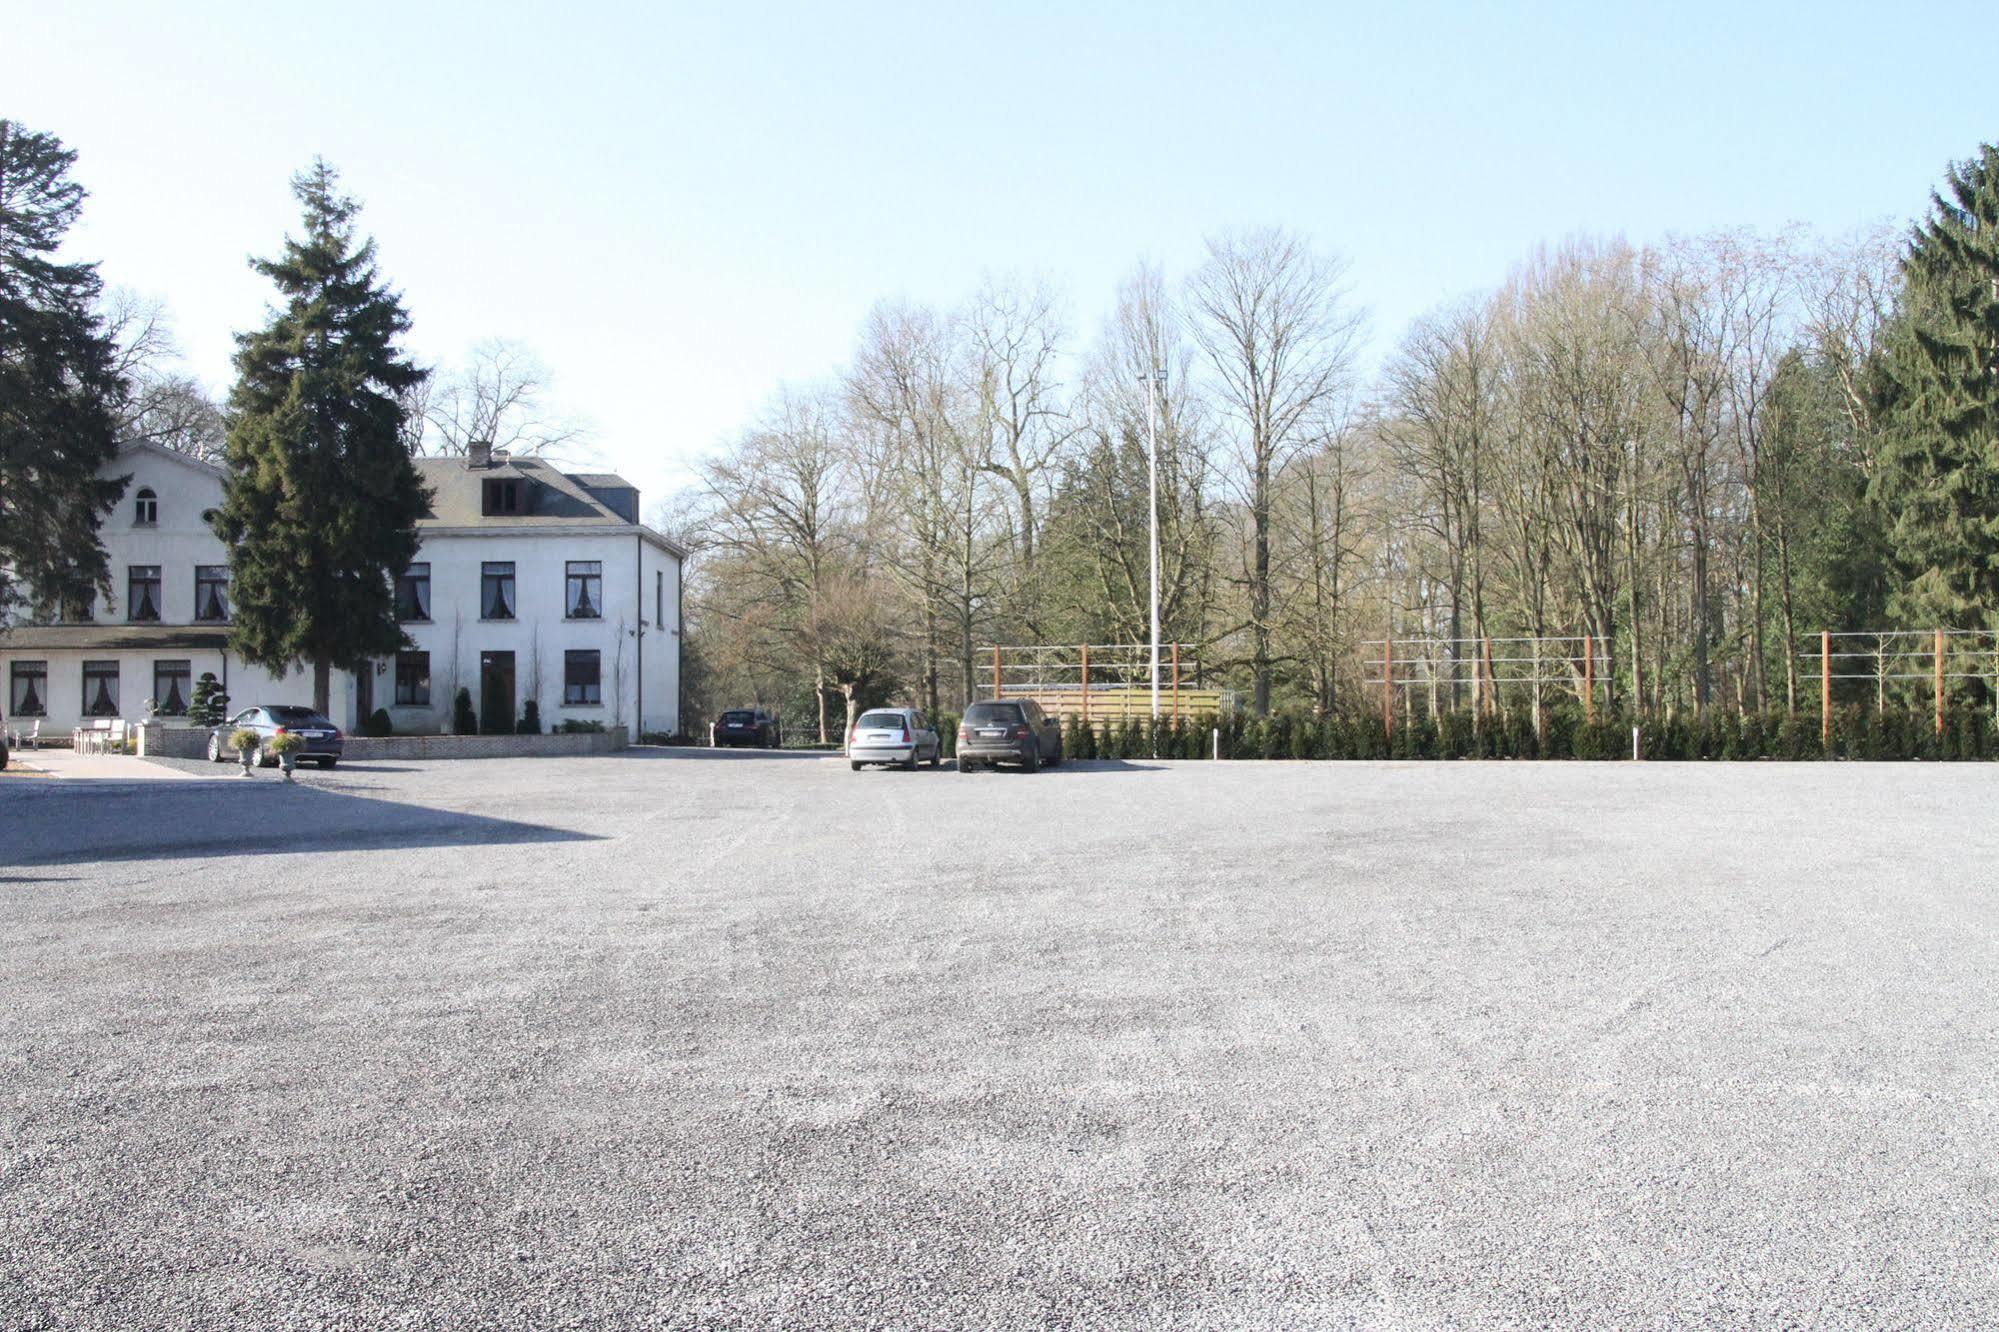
column 639, row 579
column 680, row 637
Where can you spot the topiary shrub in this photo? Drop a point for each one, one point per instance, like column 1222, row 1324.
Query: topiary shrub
column 530, row 722
column 464, row 721
column 209, row 704
column 378, row 724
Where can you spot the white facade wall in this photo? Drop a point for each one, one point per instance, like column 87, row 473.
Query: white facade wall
column 625, row 634
column 177, row 542
column 637, row 636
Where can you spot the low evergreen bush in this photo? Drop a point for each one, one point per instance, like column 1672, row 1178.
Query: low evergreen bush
column 464, row 721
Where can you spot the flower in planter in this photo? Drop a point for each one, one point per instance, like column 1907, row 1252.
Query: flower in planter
column 286, row 747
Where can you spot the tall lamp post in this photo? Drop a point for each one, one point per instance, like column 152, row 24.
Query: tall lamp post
column 1152, row 382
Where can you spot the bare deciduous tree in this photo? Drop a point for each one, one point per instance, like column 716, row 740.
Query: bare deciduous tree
column 499, row 397
column 1278, row 333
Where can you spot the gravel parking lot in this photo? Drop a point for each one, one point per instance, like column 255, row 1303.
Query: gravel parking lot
column 695, row 1039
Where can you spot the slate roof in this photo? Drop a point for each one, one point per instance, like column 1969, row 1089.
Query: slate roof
column 550, row 498
column 115, row 637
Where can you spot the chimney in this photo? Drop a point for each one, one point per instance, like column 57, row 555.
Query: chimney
column 479, row 453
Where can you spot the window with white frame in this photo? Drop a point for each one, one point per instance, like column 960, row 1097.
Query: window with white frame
column 583, row 590
column 211, row 593
column 412, row 679
column 100, row 688
column 142, row 592
column 28, row 692
column 582, row 676
column 172, row 683
column 496, row 590
column 145, row 508
column 413, row 595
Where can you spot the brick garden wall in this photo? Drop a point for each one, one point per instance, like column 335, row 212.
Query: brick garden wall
column 192, row 742
column 362, row 748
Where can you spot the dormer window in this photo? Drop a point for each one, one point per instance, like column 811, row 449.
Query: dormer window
column 501, row 495
column 145, row 508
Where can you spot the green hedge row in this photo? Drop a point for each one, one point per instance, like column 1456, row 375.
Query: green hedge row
column 1857, row 733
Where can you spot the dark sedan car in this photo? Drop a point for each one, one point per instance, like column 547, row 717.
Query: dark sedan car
column 748, row 726
column 1008, row 731
column 323, row 741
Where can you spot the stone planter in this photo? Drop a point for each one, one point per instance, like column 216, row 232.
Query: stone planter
column 287, row 762
column 248, row 757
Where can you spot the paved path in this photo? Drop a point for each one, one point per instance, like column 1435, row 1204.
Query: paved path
column 68, row 764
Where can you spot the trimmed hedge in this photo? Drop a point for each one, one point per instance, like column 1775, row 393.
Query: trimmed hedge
column 1857, row 733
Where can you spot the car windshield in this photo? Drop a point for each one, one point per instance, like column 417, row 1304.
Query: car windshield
column 297, row 717
column 992, row 714
column 738, row 718
column 882, row 720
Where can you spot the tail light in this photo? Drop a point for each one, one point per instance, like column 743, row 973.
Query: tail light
column 1021, row 732
column 905, row 730
column 278, row 730
column 965, row 734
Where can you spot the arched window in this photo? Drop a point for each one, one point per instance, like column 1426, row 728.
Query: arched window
column 147, row 507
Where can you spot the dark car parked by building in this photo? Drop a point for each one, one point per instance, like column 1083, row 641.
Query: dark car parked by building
column 1013, row 730
column 748, row 726
column 323, row 741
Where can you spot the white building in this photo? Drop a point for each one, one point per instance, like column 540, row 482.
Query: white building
column 536, row 584
column 531, row 584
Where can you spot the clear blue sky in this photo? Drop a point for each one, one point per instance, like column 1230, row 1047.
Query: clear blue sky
column 680, row 206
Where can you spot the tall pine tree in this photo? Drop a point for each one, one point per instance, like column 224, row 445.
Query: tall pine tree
column 60, row 390
column 321, row 501
column 1936, row 458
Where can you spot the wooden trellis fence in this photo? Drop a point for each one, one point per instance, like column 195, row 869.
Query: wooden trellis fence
column 1103, row 682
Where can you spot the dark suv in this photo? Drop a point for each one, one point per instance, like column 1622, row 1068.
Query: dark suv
column 1013, row 730
column 748, row 726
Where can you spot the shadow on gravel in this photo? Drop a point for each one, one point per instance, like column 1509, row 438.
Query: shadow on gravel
column 78, row 823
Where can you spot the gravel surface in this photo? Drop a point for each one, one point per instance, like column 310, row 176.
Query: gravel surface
column 684, row 1039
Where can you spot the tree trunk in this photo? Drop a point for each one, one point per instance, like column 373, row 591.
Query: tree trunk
column 1259, row 587
column 322, row 686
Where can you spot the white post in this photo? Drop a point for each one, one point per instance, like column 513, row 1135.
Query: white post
column 1152, row 382
column 1218, row 744
column 1634, row 744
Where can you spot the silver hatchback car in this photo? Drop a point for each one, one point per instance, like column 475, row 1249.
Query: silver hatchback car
column 898, row 736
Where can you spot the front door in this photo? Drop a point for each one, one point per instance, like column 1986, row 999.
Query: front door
column 496, row 692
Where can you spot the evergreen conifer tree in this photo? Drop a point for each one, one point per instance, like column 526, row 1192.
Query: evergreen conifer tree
column 321, row 500
column 209, row 704
column 60, row 389
column 1936, row 472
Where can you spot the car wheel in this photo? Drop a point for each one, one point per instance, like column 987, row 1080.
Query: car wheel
column 909, row 764
column 1031, row 761
column 855, row 766
column 215, row 750
column 326, row 765
column 966, row 765
column 1056, row 760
